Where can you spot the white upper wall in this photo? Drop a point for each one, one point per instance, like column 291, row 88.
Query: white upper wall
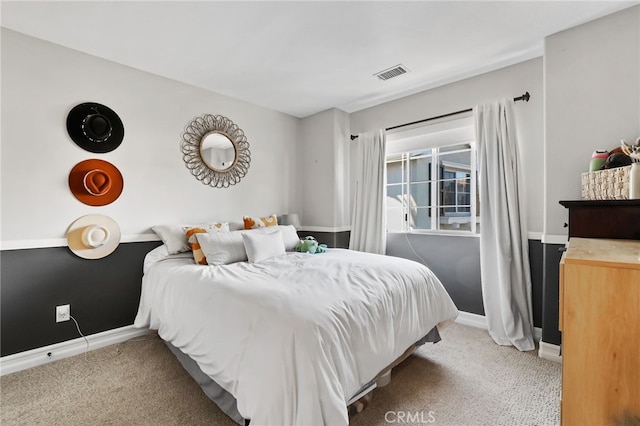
column 42, row 81
column 323, row 171
column 592, row 87
column 507, row 83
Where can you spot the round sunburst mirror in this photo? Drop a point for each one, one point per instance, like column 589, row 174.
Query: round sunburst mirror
column 215, row 150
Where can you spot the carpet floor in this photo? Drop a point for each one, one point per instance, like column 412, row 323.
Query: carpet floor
column 465, row 379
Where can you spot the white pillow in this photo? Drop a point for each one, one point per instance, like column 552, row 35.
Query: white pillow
column 222, row 248
column 262, row 245
column 174, row 237
column 289, row 235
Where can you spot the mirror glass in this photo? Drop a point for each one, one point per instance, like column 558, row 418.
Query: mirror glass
column 217, row 151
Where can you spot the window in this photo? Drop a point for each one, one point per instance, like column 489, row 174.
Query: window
column 433, row 188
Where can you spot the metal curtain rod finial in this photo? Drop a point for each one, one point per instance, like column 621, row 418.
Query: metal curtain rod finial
column 524, row 97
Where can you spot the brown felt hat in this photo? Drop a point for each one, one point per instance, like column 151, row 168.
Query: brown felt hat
column 95, row 182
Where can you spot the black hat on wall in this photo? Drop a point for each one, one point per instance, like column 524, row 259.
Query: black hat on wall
column 95, row 127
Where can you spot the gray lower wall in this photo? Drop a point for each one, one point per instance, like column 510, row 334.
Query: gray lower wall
column 331, row 239
column 536, row 264
column 456, row 262
column 103, row 294
column 551, row 257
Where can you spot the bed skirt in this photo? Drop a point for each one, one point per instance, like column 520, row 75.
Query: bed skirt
column 228, row 404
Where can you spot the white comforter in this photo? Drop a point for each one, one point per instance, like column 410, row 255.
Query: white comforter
column 293, row 337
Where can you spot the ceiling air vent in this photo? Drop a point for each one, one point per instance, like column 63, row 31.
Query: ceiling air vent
column 392, row 72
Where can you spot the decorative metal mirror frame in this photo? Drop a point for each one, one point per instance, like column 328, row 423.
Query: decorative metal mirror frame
column 194, row 136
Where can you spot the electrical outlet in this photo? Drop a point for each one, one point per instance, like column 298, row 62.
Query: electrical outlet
column 63, row 313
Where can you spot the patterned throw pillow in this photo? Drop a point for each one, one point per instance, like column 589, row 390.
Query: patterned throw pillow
column 259, row 222
column 212, row 228
column 198, row 254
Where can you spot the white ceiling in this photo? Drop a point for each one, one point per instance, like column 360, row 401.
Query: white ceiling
column 302, row 57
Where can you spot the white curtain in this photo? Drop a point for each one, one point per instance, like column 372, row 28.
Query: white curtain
column 504, row 251
column 368, row 215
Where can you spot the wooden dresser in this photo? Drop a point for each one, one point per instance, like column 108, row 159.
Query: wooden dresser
column 600, row 324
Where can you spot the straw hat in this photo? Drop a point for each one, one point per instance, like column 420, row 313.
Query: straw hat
column 93, row 236
column 95, row 127
column 95, row 182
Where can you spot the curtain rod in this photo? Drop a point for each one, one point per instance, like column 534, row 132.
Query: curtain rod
column 524, row 97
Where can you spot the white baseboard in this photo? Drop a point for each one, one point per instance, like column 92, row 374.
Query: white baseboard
column 550, row 352
column 44, row 355
column 472, row 320
column 480, row 321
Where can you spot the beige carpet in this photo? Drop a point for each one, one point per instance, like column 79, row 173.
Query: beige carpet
column 464, row 380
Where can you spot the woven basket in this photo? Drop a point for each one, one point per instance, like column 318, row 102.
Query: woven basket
column 610, row 184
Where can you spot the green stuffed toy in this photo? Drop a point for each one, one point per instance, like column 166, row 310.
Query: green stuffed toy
column 310, row 245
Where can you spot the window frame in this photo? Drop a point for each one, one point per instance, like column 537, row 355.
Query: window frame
column 435, row 181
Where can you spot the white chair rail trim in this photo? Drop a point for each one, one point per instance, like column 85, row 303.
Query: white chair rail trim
column 62, row 242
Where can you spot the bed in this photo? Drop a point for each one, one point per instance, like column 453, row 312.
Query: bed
column 292, row 339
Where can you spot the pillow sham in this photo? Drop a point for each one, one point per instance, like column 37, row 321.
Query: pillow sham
column 222, row 248
column 263, row 245
column 259, row 222
column 198, row 254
